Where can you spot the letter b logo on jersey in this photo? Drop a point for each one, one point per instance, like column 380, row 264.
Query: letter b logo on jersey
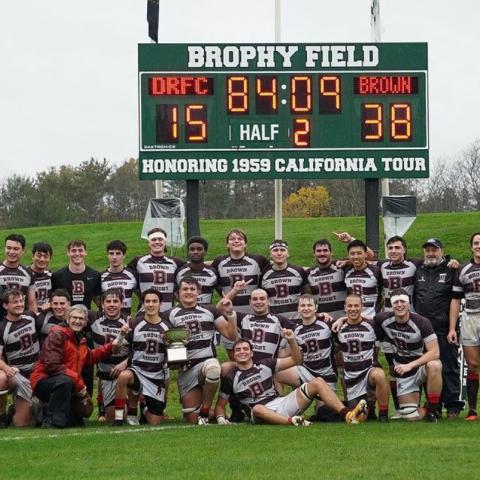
column 78, row 287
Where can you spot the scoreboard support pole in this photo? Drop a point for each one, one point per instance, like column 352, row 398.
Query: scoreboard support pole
column 193, row 208
column 372, row 212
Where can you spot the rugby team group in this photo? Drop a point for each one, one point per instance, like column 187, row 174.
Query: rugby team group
column 294, row 336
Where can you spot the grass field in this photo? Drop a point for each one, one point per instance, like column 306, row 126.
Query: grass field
column 446, row 450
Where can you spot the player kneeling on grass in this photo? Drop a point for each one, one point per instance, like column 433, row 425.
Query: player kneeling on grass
column 314, row 337
column 57, row 376
column 19, row 349
column 199, row 378
column 109, row 325
column 253, row 384
column 147, row 370
column 416, row 358
column 356, row 339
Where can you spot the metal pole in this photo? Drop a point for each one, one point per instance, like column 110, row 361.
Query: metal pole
column 277, row 181
column 158, row 183
column 193, row 208
column 372, row 211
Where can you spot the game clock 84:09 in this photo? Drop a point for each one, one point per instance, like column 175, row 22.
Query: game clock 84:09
column 326, row 110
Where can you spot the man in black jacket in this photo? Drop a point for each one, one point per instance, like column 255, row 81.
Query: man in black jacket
column 432, row 297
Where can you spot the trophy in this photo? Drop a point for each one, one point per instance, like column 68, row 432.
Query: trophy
column 176, row 340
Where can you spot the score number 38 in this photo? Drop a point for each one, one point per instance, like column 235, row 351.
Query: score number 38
column 329, row 102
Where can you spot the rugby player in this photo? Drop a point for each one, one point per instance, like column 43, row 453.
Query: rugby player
column 59, row 303
column 253, row 384
column 314, row 337
column 156, row 270
column 467, row 284
column 14, row 275
column 326, row 280
column 80, row 281
column 283, row 282
column 147, row 371
column 117, row 275
column 42, row 277
column 356, row 339
column 363, row 279
column 19, row 347
column 206, row 275
column 108, row 326
column 416, row 357
column 199, row 380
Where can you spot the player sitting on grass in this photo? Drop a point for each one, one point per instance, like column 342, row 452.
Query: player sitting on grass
column 253, row 384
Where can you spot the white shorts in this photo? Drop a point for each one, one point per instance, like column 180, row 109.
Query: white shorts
column 108, row 391
column 287, row 406
column 470, row 329
column 360, row 388
column 305, row 376
column 193, row 377
column 412, row 384
column 20, row 387
column 149, row 387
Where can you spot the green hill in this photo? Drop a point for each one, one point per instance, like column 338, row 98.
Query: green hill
column 454, row 229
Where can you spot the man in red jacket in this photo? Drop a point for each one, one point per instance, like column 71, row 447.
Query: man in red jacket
column 57, row 376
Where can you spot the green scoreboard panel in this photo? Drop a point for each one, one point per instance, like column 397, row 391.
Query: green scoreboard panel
column 283, row 111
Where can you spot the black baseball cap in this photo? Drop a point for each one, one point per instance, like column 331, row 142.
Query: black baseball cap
column 433, row 242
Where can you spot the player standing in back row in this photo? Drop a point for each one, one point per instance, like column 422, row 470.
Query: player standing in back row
column 156, row 270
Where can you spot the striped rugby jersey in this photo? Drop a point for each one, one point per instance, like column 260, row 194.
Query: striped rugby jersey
column 201, row 322
column 467, row 283
column 328, row 287
column 367, row 283
column 283, row 288
column 249, row 267
column 19, row 342
column 125, row 281
column 206, row 276
column 252, row 386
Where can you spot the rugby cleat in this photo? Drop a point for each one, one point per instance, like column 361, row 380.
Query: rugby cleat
column 471, row 416
column 118, row 423
column 358, row 414
column 430, row 417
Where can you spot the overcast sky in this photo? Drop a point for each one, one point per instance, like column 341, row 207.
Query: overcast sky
column 69, row 68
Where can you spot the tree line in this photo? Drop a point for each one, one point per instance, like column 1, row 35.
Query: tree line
column 98, row 191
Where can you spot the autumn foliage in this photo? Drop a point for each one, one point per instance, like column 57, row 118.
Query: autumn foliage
column 307, row 202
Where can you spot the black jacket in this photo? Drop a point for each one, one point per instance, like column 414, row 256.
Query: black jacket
column 433, row 293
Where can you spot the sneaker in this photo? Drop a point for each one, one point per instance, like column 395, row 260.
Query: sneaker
column 133, row 420
column 358, row 414
column 118, row 423
column 396, row 416
column 471, row 416
column 202, row 420
column 431, row 417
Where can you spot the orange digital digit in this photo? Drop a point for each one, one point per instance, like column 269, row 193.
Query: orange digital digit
column 400, row 122
column 237, row 95
column 167, row 123
column 301, row 132
column 372, row 122
column 330, row 91
column 266, row 94
column 301, row 94
column 196, row 123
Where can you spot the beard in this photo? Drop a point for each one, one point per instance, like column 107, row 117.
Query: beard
column 433, row 262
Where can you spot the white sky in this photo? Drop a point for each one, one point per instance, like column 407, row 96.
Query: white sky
column 69, row 68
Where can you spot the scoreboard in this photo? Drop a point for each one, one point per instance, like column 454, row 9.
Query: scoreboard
column 283, row 111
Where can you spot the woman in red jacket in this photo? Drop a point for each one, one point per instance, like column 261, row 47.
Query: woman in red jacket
column 57, row 376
